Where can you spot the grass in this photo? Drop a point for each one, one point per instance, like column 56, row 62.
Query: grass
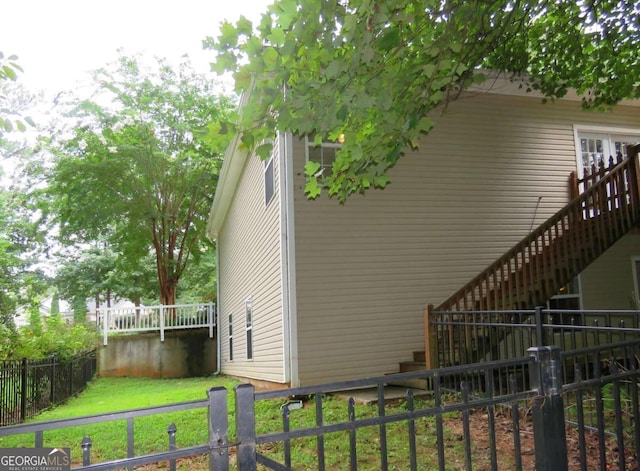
column 150, row 433
column 118, row 394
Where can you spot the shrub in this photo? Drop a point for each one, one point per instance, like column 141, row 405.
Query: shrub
column 53, row 337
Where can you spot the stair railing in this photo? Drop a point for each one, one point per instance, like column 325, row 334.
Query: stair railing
column 561, row 247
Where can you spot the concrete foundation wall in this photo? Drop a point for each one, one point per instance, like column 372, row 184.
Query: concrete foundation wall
column 185, row 353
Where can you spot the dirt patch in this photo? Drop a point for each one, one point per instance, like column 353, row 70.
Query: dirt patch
column 505, row 445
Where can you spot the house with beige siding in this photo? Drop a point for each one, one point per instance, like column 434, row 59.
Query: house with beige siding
column 311, row 291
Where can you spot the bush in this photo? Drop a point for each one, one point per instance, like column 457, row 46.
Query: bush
column 53, row 337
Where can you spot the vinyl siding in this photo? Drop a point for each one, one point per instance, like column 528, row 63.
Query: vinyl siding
column 250, row 265
column 608, row 282
column 492, row 168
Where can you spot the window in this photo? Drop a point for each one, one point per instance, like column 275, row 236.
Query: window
column 324, row 154
column 567, row 298
column 249, row 327
column 230, row 338
column 269, row 181
column 595, row 146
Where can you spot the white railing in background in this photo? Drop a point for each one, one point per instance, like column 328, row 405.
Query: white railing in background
column 156, row 318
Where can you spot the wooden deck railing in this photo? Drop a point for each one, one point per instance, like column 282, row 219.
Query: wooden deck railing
column 605, row 207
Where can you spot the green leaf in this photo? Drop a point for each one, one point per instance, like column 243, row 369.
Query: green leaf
column 270, row 57
column 390, row 39
column 312, row 189
column 9, row 72
column 264, row 151
column 244, row 26
column 311, row 168
column 277, row 36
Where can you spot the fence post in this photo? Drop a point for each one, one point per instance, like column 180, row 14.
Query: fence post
column 539, row 327
column 86, row 451
column 430, row 340
column 548, row 409
column 171, row 430
column 210, row 313
column 162, row 323
column 634, row 175
column 105, row 324
column 52, row 379
column 246, row 427
column 218, row 430
column 23, row 391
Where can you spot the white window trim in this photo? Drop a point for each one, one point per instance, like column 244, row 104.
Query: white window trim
column 591, row 129
column 308, row 143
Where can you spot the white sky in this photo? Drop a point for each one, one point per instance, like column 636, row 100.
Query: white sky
column 59, row 41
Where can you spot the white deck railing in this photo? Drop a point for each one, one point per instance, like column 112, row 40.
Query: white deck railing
column 156, row 318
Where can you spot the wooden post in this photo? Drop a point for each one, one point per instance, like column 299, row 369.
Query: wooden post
column 573, row 186
column 634, row 175
column 430, row 340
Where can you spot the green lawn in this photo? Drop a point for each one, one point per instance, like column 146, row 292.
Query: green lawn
column 119, row 394
column 150, row 433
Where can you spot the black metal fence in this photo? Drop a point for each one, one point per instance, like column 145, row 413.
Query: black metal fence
column 29, row 386
column 537, row 418
column 464, row 337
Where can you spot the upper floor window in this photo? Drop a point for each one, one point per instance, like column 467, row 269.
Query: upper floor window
column 596, row 146
column 269, row 181
column 324, row 153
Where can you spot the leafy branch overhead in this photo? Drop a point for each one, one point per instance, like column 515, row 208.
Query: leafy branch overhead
column 10, row 118
column 376, row 71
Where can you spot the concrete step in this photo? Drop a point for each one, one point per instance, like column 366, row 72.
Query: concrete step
column 407, row 367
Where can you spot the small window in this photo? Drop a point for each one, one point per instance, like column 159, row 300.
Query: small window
column 230, row 338
column 269, row 181
column 249, row 328
column 568, row 298
column 324, row 154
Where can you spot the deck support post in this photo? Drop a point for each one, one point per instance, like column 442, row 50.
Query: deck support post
column 430, row 340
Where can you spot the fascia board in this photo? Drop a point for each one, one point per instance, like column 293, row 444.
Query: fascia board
column 228, row 179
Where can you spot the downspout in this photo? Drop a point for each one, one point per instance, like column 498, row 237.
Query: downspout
column 288, row 260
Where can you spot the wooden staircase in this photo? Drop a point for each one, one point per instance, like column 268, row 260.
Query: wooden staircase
column 605, row 205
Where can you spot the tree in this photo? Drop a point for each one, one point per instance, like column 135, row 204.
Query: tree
column 10, row 117
column 21, row 280
column 142, row 173
column 375, row 72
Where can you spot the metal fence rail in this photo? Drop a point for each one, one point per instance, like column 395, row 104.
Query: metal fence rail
column 27, row 387
column 463, row 337
column 571, row 402
column 156, row 319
